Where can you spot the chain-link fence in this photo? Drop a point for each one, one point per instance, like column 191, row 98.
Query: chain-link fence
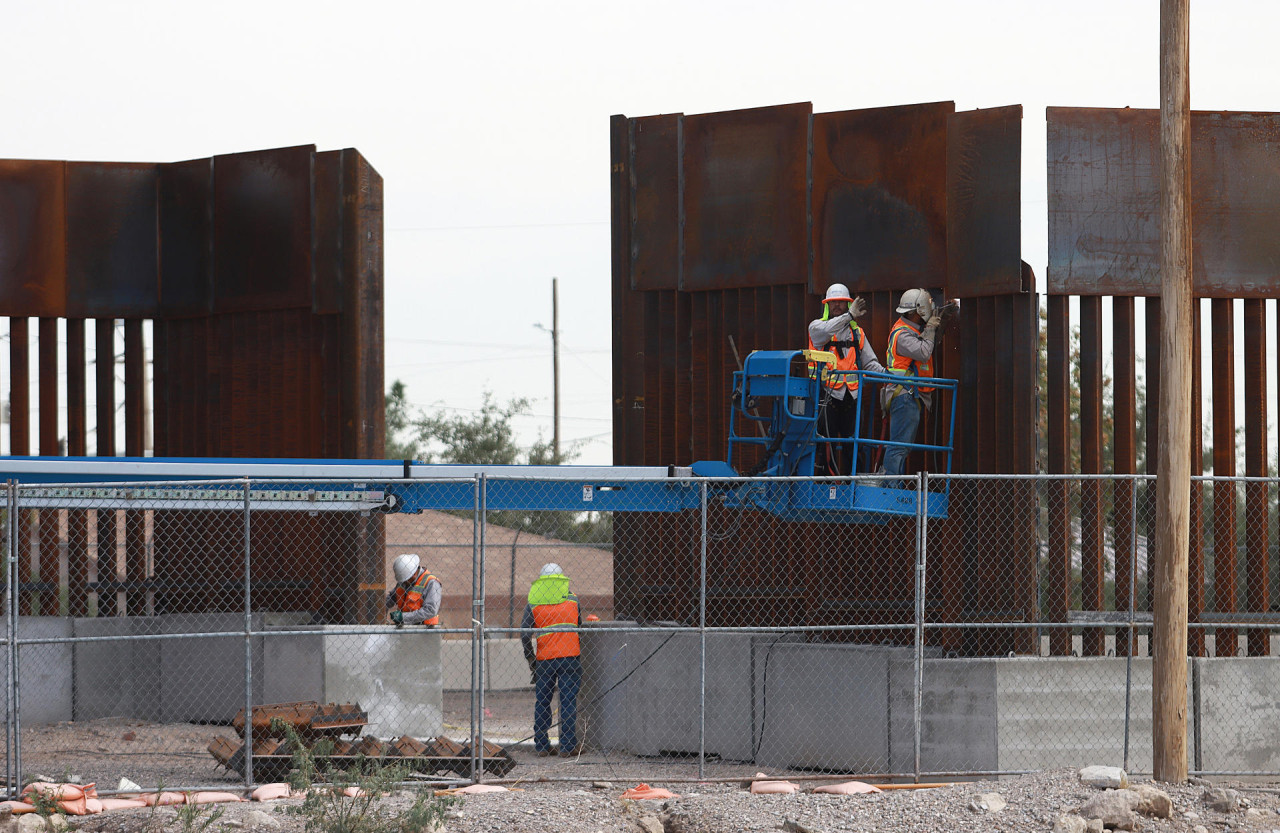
column 952, row 625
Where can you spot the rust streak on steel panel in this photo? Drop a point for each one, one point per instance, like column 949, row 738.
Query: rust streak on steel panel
column 77, row 446
column 984, row 208
column 33, row 238
column 1103, row 230
column 623, row 313
column 665, row 357
column 698, row 369
column 186, row 235
column 1058, row 442
column 262, row 229
column 19, row 387
column 655, row 202
column 650, row 378
column 879, row 199
column 1195, row 556
column 1257, row 527
column 112, row 242
column 1124, row 420
column 684, row 380
column 1093, row 569
column 744, row 194
column 1224, row 465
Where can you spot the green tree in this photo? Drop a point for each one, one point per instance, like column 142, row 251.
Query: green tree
column 487, row 438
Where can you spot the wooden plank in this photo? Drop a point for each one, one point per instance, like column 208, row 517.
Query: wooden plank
column 1093, row 570
column 1256, row 524
column 1058, row 584
column 1125, row 462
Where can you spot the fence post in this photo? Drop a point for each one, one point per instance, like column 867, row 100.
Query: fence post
column 15, row 542
column 1133, row 634
column 11, row 658
column 477, row 527
column 922, row 530
column 248, row 651
column 702, row 636
column 479, row 614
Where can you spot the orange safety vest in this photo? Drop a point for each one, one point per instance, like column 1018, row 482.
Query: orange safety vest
column 554, row 643
column 848, row 361
column 901, row 364
column 410, row 600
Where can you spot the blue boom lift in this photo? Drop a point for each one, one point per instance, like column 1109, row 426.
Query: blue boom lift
column 774, row 395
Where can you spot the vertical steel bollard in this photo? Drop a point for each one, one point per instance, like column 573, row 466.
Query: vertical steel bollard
column 922, row 530
column 248, row 651
column 478, row 773
column 477, row 533
column 702, row 637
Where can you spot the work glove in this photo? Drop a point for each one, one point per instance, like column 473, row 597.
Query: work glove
column 397, row 617
column 934, row 322
column 858, row 308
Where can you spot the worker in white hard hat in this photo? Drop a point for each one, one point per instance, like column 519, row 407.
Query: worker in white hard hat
column 910, row 353
column 837, row 332
column 416, row 597
column 551, row 619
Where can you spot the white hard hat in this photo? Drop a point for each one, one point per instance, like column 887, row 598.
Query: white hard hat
column 916, row 300
column 405, row 566
column 837, row 292
column 551, row 569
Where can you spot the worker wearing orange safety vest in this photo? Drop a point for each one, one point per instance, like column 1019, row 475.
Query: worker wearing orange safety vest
column 551, row 620
column 910, row 353
column 416, row 597
column 836, row 332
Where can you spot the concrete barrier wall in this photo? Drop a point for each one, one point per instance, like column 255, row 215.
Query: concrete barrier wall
column 46, row 685
column 505, row 667
column 395, row 677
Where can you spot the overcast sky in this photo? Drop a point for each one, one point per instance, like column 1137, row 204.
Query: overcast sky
column 489, row 123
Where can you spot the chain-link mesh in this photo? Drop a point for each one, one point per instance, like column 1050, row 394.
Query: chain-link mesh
column 955, row 625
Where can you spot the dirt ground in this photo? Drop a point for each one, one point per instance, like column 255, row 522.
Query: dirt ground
column 585, row 793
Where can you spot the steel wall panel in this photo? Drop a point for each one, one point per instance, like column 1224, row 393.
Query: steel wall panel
column 984, row 205
column 879, row 198
column 112, row 239
column 655, row 201
column 745, row 194
column 33, row 258
column 326, row 295
column 262, row 229
column 1103, row 203
column 186, row 227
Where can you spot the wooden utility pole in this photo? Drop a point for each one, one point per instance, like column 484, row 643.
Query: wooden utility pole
column 1173, row 487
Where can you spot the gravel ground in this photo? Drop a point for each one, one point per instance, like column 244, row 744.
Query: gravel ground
column 584, row 794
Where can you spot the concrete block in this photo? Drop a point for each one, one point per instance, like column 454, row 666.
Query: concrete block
column 203, row 678
column 1240, row 716
column 958, row 728
column 395, row 677
column 45, row 693
column 118, row 678
column 504, row 665
column 290, row 670
column 822, row 706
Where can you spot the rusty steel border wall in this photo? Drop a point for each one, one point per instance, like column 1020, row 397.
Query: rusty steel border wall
column 261, row 273
column 1103, row 254
column 726, row 229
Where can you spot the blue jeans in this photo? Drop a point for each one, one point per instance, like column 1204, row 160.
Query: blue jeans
column 566, row 674
column 904, row 419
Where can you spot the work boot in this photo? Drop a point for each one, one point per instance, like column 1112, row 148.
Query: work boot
column 545, row 753
column 568, row 753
